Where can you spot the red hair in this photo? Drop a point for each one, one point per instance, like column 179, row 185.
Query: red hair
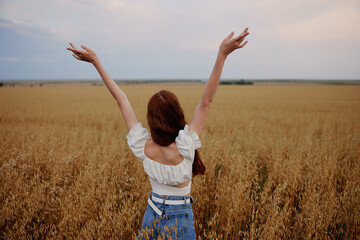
column 166, row 118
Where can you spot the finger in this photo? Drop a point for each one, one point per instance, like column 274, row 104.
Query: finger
column 230, row 36
column 73, row 51
column 245, row 31
column 242, row 35
column 86, row 48
column 242, row 45
column 75, row 56
column 72, row 45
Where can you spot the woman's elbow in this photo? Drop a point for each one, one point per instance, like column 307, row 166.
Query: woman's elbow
column 205, row 103
column 121, row 99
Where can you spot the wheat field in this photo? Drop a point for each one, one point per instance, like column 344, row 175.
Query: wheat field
column 282, row 163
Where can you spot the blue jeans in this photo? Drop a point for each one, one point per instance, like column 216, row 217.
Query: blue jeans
column 176, row 222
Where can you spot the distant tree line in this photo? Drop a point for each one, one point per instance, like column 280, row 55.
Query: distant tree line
column 236, row 82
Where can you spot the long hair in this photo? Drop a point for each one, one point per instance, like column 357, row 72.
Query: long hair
column 166, row 118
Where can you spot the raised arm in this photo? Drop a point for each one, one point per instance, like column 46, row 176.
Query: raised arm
column 88, row 55
column 228, row 45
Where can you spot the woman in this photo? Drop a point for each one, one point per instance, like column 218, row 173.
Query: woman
column 169, row 151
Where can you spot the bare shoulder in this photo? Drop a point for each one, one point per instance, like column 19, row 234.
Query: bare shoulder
column 168, row 155
column 151, row 150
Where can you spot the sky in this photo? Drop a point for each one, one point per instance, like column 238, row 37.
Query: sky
column 165, row 39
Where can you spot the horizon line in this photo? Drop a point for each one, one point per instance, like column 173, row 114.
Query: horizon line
column 180, row 79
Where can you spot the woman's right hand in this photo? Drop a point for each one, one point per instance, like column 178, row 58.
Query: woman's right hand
column 229, row 44
column 86, row 55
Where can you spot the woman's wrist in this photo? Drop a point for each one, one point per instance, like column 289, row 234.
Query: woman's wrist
column 96, row 61
column 222, row 56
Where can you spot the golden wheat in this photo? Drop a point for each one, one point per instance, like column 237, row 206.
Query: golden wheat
column 282, row 163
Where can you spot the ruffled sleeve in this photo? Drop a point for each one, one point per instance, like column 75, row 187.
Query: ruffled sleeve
column 187, row 142
column 136, row 139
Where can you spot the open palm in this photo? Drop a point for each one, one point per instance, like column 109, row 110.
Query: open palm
column 86, row 55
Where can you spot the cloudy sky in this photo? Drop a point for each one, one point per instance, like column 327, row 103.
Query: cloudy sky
column 317, row 39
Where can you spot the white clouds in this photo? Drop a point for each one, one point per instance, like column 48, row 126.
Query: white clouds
column 340, row 24
column 5, row 25
column 25, row 28
column 114, row 5
column 129, row 8
column 171, row 30
column 37, row 59
column 185, row 23
column 10, row 59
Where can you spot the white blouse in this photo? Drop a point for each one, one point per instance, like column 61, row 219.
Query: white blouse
column 163, row 176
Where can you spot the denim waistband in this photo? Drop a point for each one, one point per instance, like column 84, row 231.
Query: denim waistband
column 163, row 208
column 171, row 197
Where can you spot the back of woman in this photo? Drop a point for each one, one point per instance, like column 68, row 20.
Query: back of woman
column 169, row 151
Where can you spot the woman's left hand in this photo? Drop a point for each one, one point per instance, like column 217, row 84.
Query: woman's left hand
column 230, row 44
column 86, row 55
